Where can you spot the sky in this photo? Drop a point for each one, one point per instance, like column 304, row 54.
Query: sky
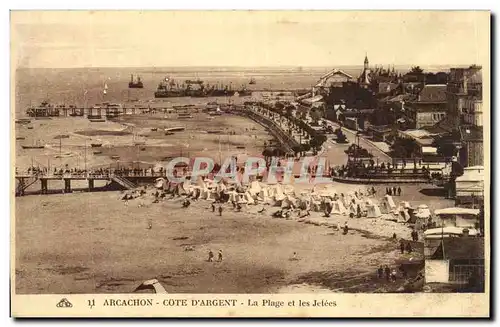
column 67, row 39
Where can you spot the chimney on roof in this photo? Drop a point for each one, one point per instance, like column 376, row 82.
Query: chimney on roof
column 465, row 232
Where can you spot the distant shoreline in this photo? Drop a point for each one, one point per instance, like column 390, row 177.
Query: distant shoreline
column 298, row 68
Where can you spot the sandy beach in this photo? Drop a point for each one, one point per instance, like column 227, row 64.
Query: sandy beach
column 100, row 244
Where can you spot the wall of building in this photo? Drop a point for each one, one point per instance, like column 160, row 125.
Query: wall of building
column 474, row 153
column 424, row 119
column 473, row 111
column 437, row 271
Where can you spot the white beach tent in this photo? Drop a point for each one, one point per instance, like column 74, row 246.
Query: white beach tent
column 254, row 188
column 373, row 211
column 387, row 204
column 338, row 208
column 160, row 183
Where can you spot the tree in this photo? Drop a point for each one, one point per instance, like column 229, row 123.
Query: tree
column 416, row 70
column 403, row 147
column 445, row 144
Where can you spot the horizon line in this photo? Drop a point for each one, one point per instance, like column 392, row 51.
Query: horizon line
column 247, row 67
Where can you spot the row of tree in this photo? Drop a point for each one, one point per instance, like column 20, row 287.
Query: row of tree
column 284, row 110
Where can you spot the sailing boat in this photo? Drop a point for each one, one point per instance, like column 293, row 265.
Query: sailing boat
column 138, row 141
column 35, row 145
column 96, row 144
column 252, row 81
column 105, row 91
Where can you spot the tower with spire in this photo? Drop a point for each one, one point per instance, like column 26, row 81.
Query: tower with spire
column 365, row 78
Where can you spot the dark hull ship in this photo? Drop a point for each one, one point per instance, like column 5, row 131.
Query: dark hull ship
column 135, row 84
column 191, row 88
column 45, row 109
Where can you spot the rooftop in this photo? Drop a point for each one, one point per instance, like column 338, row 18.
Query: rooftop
column 432, row 93
column 460, row 248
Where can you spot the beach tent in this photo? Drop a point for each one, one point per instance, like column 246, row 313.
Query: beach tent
column 247, row 196
column 254, row 188
column 279, row 195
column 387, row 204
column 373, row 211
column 233, row 195
column 338, row 208
column 160, row 183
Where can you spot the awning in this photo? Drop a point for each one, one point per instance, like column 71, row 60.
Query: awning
column 457, row 211
column 429, row 150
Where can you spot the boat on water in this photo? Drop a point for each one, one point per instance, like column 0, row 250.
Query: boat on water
column 215, row 132
column 36, row 145
column 175, row 129
column 169, row 133
column 62, row 136
column 20, row 138
column 64, row 155
column 252, row 81
column 29, row 127
column 115, row 157
column 33, row 146
column 154, row 129
column 97, row 152
column 137, row 84
column 184, row 116
column 23, row 121
column 96, row 145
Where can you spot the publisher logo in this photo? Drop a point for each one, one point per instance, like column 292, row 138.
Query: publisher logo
column 64, row 303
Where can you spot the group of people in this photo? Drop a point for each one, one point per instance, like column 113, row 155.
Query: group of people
column 390, row 275
column 220, row 209
column 405, row 246
column 393, row 191
column 211, row 256
column 361, row 169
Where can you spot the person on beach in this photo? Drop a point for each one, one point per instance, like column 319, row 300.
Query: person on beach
column 219, row 258
column 220, row 210
column 346, row 228
column 408, row 247
column 402, row 246
column 380, row 272
column 210, row 256
column 399, row 191
column 393, row 275
column 213, row 206
column 394, row 190
column 387, row 272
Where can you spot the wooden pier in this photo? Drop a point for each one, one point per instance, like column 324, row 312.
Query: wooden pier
column 125, row 182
